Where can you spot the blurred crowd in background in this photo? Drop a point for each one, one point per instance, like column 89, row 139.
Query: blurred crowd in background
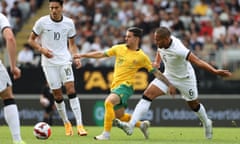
column 19, row 11
column 210, row 28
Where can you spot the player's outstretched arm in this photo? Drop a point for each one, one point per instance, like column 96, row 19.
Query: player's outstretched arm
column 223, row 73
column 204, row 65
column 95, row 54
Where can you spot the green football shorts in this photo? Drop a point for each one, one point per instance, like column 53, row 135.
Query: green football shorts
column 124, row 92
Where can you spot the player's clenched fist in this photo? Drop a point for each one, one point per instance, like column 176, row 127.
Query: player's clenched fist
column 46, row 52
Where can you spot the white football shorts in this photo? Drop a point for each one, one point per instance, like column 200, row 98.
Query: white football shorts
column 56, row 76
column 186, row 86
column 4, row 78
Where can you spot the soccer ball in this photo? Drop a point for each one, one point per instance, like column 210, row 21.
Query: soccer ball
column 42, row 131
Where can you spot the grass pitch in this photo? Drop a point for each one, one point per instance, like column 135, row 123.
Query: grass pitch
column 158, row 135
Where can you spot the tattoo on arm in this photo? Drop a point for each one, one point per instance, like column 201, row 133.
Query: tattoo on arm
column 161, row 77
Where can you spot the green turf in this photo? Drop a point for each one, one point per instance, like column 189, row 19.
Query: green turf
column 158, row 135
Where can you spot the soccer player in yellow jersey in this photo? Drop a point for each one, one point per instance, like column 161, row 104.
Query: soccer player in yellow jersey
column 129, row 59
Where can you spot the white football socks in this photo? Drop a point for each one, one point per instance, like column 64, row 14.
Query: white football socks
column 61, row 108
column 12, row 118
column 202, row 115
column 140, row 110
column 75, row 105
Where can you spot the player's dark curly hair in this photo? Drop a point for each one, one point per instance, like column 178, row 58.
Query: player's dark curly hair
column 60, row 1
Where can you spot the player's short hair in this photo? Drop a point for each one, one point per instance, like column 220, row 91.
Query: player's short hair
column 136, row 31
column 59, row 1
column 163, row 32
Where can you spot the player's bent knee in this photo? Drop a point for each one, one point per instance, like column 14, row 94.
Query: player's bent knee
column 147, row 98
column 73, row 95
column 59, row 100
column 8, row 101
column 196, row 108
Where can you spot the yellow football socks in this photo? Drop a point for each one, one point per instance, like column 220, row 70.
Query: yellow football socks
column 126, row 117
column 109, row 116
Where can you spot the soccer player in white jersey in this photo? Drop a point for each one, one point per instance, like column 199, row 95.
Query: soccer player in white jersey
column 177, row 61
column 55, row 33
column 10, row 108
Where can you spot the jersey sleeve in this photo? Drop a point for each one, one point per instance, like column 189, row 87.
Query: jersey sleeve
column 111, row 51
column 4, row 22
column 37, row 28
column 72, row 31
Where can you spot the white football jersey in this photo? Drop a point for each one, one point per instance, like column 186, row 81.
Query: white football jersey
column 175, row 60
column 3, row 23
column 54, row 36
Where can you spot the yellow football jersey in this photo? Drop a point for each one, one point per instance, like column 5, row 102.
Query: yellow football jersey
column 127, row 63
